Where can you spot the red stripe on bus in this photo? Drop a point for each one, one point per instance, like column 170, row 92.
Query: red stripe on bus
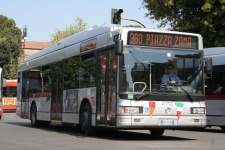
column 35, row 95
column 5, row 107
column 24, row 113
column 11, row 83
column 215, row 97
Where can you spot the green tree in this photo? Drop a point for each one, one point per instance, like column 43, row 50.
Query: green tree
column 70, row 30
column 206, row 17
column 10, row 47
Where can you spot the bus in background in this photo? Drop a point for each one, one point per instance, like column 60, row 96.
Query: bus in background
column 215, row 88
column 110, row 77
column 9, row 99
column 1, row 82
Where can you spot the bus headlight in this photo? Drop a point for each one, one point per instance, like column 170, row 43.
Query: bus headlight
column 197, row 110
column 126, row 109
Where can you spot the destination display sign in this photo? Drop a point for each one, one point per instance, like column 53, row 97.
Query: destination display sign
column 162, row 40
column 9, row 100
column 31, row 74
column 88, row 45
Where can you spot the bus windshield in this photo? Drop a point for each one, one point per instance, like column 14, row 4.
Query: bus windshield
column 143, row 69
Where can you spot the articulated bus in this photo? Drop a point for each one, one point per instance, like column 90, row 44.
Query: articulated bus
column 215, row 88
column 9, row 97
column 1, row 81
column 110, row 77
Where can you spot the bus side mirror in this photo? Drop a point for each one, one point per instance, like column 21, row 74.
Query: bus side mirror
column 208, row 67
column 118, row 49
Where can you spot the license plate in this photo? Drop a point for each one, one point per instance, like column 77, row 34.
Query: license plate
column 167, row 122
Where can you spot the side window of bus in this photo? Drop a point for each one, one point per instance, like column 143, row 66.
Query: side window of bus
column 71, row 79
column 112, row 68
column 46, row 77
column 88, row 65
column 5, row 92
column 12, row 92
column 35, row 81
column 215, row 85
column 25, row 85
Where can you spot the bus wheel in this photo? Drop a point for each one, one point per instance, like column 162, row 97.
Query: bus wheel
column 157, row 132
column 86, row 120
column 33, row 116
column 223, row 128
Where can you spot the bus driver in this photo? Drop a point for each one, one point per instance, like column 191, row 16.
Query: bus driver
column 170, row 77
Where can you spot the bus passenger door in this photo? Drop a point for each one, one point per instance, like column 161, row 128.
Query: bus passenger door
column 57, row 92
column 106, row 88
column 24, row 94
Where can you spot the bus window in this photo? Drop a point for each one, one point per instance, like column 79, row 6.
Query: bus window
column 46, row 78
column 70, row 75
column 89, row 68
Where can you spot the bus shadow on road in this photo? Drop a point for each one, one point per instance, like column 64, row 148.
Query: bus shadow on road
column 135, row 135
column 207, row 129
column 125, row 135
column 23, row 124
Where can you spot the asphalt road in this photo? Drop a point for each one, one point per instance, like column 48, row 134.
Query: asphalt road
column 17, row 134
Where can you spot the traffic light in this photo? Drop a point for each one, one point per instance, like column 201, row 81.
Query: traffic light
column 116, row 16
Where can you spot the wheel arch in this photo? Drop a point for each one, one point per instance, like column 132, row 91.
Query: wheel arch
column 32, row 103
column 82, row 105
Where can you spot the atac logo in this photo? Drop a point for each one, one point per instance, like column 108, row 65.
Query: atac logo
column 167, row 110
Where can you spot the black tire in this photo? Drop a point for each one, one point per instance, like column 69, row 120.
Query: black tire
column 86, row 126
column 157, row 132
column 33, row 116
column 223, row 128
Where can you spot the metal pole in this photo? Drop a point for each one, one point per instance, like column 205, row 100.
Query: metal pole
column 133, row 20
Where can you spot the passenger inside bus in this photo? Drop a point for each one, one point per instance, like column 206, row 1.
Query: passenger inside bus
column 220, row 86
column 170, row 77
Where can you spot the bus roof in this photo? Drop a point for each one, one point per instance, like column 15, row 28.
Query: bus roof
column 70, row 46
column 87, row 34
column 70, row 40
column 217, row 54
column 214, row 51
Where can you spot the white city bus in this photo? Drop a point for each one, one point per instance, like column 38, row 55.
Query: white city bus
column 215, row 88
column 110, row 77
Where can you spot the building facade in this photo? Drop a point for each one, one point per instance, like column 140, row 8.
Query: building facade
column 30, row 47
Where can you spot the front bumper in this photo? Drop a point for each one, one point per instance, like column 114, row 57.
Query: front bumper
column 161, row 122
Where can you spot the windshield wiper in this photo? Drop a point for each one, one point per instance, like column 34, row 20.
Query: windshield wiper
column 141, row 96
column 188, row 94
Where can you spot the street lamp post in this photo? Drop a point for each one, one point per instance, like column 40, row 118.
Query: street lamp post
column 24, row 38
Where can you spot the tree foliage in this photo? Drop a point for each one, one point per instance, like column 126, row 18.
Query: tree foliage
column 206, row 17
column 10, row 47
column 70, row 30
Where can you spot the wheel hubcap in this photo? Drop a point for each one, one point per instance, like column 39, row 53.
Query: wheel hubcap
column 33, row 116
column 85, row 119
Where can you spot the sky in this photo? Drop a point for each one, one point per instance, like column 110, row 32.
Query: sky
column 44, row 17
